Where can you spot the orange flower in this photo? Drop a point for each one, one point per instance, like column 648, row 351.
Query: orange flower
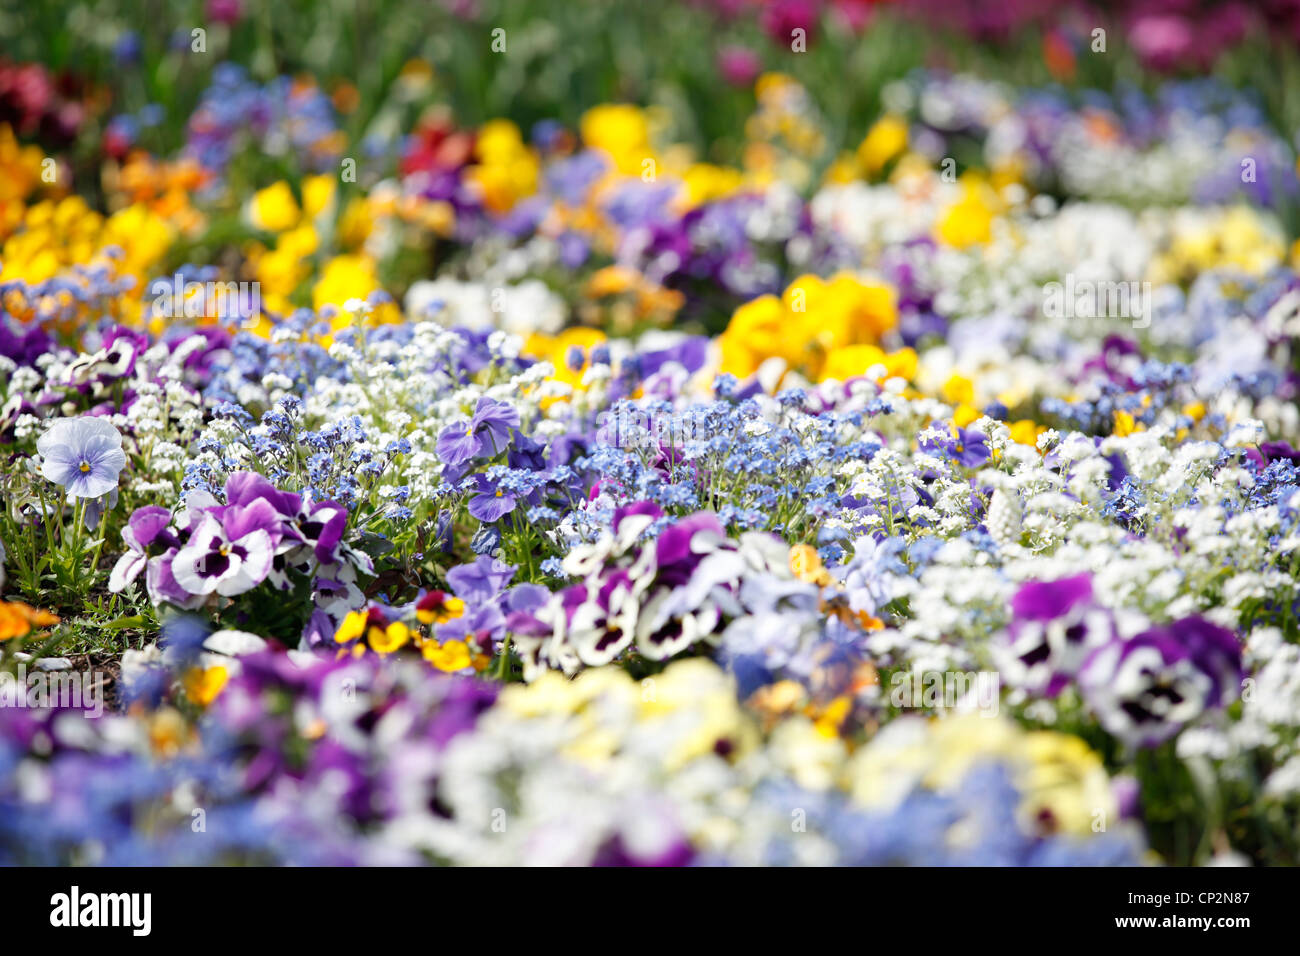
column 19, row 620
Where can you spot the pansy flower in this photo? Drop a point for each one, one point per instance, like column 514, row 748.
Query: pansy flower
column 145, row 527
column 438, row 607
column 231, row 550
column 371, row 627
column 83, row 456
column 1144, row 690
column 485, row 435
column 604, row 624
column 490, row 501
column 1055, row 626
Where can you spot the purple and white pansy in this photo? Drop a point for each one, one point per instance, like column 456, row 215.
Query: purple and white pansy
column 261, row 534
column 1146, row 689
column 1144, row 682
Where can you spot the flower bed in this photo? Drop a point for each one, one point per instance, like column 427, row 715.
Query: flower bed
column 549, row 493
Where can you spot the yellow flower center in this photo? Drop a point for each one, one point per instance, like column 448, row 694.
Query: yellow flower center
column 84, row 466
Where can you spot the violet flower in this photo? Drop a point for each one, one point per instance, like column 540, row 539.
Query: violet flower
column 483, row 436
column 231, row 550
column 1055, row 626
column 83, row 455
column 146, row 526
column 1146, row 689
column 490, row 502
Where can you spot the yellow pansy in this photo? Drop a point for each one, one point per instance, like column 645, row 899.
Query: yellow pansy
column 964, row 414
column 448, row 656
column 274, row 209
column 1063, row 784
column 886, row 139
column 437, row 607
column 705, row 182
column 385, row 640
column 1026, row 431
column 1126, row 424
column 620, row 130
column 349, row 276
column 555, row 349
column 352, row 627
column 759, row 330
column 318, row 194
column 969, row 220
column 806, row 565
column 203, row 684
column 958, row 390
column 507, row 170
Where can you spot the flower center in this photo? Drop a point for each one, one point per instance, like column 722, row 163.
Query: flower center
column 84, row 466
column 499, row 492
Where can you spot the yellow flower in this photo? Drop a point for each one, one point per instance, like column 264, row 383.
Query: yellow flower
column 202, row 685
column 385, row 640
column 317, row 195
column 885, row 140
column 356, row 223
column 1125, row 424
column 168, row 732
column 1065, row 786
column 830, row 718
column 852, row 361
column 1062, row 783
column 448, row 656
column 958, row 390
column 964, row 414
column 611, row 280
column 143, row 236
column 706, row 182
column 439, row 610
column 350, row 276
column 352, row 627
column 1026, row 431
column 507, row 170
column 806, row 565
column 555, row 349
column 274, row 209
column 620, row 130
column 758, row 330
column 968, row 221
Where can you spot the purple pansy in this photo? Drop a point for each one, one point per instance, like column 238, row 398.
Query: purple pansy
column 1144, row 690
column 231, row 550
column 480, row 580
column 146, row 526
column 1055, row 626
column 490, row 501
column 484, row 435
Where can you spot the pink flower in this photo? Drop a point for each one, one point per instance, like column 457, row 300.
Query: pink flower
column 738, row 65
